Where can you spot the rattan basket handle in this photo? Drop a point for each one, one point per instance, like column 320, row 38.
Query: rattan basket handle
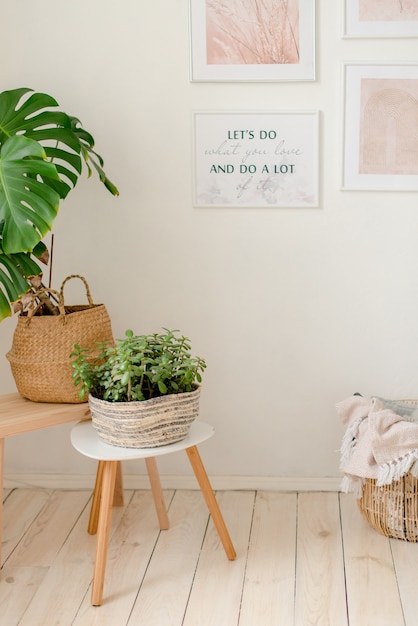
column 88, row 294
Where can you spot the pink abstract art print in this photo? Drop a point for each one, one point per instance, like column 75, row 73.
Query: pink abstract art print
column 381, row 18
column 388, row 10
column 380, row 128
column 252, row 40
column 388, row 135
column 251, row 32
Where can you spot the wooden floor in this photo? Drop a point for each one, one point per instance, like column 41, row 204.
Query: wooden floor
column 303, row 559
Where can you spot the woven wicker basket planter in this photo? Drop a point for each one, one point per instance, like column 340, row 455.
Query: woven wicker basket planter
column 40, row 353
column 145, row 424
column 392, row 510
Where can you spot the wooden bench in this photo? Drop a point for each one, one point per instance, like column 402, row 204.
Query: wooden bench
column 19, row 415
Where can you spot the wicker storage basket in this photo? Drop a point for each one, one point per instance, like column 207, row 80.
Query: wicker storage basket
column 40, row 352
column 392, row 509
column 145, row 424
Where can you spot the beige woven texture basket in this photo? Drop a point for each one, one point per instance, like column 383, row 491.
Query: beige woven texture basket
column 40, row 354
column 145, row 424
column 392, row 510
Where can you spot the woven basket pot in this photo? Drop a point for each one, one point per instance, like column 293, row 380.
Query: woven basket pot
column 392, row 509
column 145, row 424
column 40, row 353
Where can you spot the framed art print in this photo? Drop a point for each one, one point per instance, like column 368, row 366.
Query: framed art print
column 252, row 40
column 380, row 127
column 263, row 159
column 381, row 18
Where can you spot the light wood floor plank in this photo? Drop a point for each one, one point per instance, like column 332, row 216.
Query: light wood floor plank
column 217, row 587
column 269, row 587
column 163, row 595
column 372, row 591
column 50, row 528
column 320, row 589
column 181, row 577
column 20, row 509
column 405, row 557
column 18, row 586
column 68, row 580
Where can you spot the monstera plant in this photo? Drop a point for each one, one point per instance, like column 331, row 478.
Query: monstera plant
column 42, row 154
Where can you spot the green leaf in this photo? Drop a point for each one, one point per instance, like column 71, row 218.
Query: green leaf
column 125, row 378
column 28, row 206
column 59, row 135
column 5, row 310
column 90, row 156
column 62, row 159
column 162, row 387
column 28, row 112
column 26, row 264
column 12, row 117
column 13, row 274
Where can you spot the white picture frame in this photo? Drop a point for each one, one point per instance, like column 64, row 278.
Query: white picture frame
column 233, row 41
column 380, row 18
column 380, row 135
column 256, row 159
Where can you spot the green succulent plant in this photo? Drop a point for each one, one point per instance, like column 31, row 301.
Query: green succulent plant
column 138, row 367
column 42, row 154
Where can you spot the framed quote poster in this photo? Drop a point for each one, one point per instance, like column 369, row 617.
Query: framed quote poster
column 247, row 159
column 252, row 40
column 381, row 18
column 380, row 127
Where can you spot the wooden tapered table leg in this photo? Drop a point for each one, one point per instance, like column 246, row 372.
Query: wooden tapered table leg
column 101, row 513
column 95, row 502
column 157, row 492
column 212, row 504
column 103, row 530
column 118, row 495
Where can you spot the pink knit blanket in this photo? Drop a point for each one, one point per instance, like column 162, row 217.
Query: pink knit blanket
column 380, row 441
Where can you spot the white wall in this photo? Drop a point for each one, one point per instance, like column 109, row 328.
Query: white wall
column 293, row 309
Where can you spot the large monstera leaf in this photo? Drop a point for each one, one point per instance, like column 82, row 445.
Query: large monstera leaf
column 42, row 151
column 28, row 205
column 66, row 143
column 29, row 116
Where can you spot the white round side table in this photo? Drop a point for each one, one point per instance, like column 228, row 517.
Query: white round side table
column 85, row 439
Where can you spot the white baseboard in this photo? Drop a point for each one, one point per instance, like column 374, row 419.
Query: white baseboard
column 140, row 481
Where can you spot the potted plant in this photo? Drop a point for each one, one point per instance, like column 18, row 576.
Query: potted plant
column 143, row 391
column 42, row 152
